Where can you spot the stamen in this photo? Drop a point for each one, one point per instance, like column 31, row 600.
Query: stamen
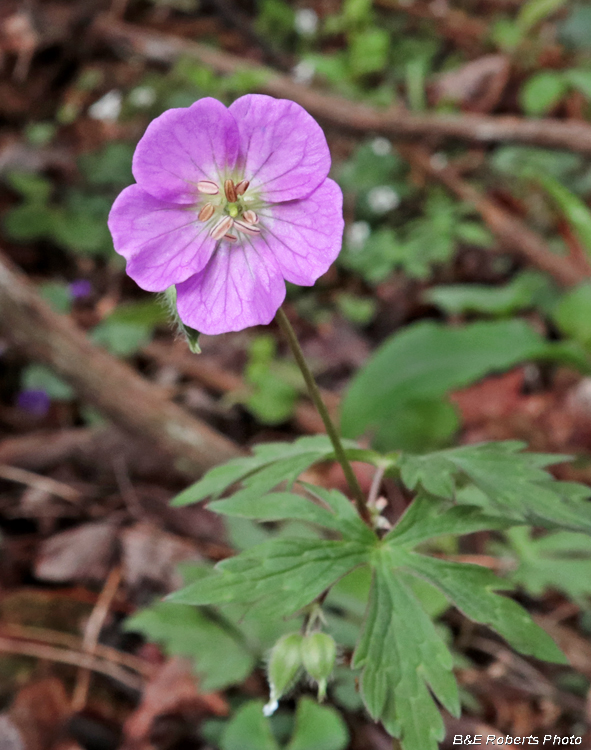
column 206, row 212
column 250, row 217
column 231, row 237
column 224, row 224
column 242, row 226
column 230, row 191
column 208, row 187
column 242, row 187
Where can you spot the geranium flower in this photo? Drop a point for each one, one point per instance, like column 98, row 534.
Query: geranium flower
column 229, row 204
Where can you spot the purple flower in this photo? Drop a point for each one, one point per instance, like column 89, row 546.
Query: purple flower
column 229, row 204
column 80, row 289
column 34, row 401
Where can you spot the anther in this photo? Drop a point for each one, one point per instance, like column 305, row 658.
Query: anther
column 230, row 191
column 242, row 226
column 231, row 237
column 224, row 224
column 206, row 212
column 208, row 187
column 250, row 217
column 242, row 187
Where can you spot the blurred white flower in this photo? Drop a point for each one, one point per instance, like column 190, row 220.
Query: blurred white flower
column 306, row 21
column 142, row 97
column 381, row 146
column 303, row 72
column 382, row 198
column 107, row 108
column 357, row 235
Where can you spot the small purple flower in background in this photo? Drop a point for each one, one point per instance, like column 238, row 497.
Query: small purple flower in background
column 229, row 204
column 80, row 289
column 34, row 401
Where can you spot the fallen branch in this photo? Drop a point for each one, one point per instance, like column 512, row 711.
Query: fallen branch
column 135, row 405
column 513, row 234
column 127, row 39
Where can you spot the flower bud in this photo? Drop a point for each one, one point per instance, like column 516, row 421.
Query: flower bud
column 284, row 664
column 319, row 652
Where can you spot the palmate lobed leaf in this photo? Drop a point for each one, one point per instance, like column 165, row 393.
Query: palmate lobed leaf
column 339, row 515
column 270, row 465
column 511, row 483
column 559, row 561
column 470, row 588
column 278, row 577
column 402, row 656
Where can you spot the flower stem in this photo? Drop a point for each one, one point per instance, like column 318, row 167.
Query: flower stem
column 331, row 430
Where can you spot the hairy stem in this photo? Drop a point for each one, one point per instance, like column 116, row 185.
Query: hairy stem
column 331, row 430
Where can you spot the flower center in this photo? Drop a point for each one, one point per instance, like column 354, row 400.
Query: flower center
column 226, row 209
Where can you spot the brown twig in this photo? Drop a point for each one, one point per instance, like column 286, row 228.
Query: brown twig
column 51, row 486
column 74, row 643
column 91, row 635
column 134, row 404
column 513, row 234
column 66, row 656
column 395, row 123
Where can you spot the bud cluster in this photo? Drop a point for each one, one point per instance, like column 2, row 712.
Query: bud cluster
column 315, row 653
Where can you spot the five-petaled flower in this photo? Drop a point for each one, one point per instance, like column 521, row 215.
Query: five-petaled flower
column 229, row 204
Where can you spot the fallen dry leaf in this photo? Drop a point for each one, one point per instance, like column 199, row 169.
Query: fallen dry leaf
column 172, row 691
column 85, row 552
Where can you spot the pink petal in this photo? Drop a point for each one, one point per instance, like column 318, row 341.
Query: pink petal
column 304, row 236
column 283, row 149
column 239, row 287
column 183, row 146
column 164, row 243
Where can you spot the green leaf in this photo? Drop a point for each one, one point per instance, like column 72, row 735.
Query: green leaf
column 575, row 30
column 274, row 398
column 57, row 294
column 470, row 588
column 110, row 165
column 278, row 577
column 522, row 292
column 119, row 338
column 580, row 80
column 249, row 730
column 426, row 361
column 317, row 728
column 270, row 464
column 426, row 519
column 542, row 92
column 527, row 162
column 403, row 658
column 573, row 314
column 534, row 11
column 220, row 657
column 32, row 187
column 150, row 312
column 357, row 12
column 368, row 51
column 29, row 221
column 512, row 484
column 559, row 561
column 40, row 378
column 281, row 506
column 577, row 212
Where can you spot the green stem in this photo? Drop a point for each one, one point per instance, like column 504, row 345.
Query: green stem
column 331, row 430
